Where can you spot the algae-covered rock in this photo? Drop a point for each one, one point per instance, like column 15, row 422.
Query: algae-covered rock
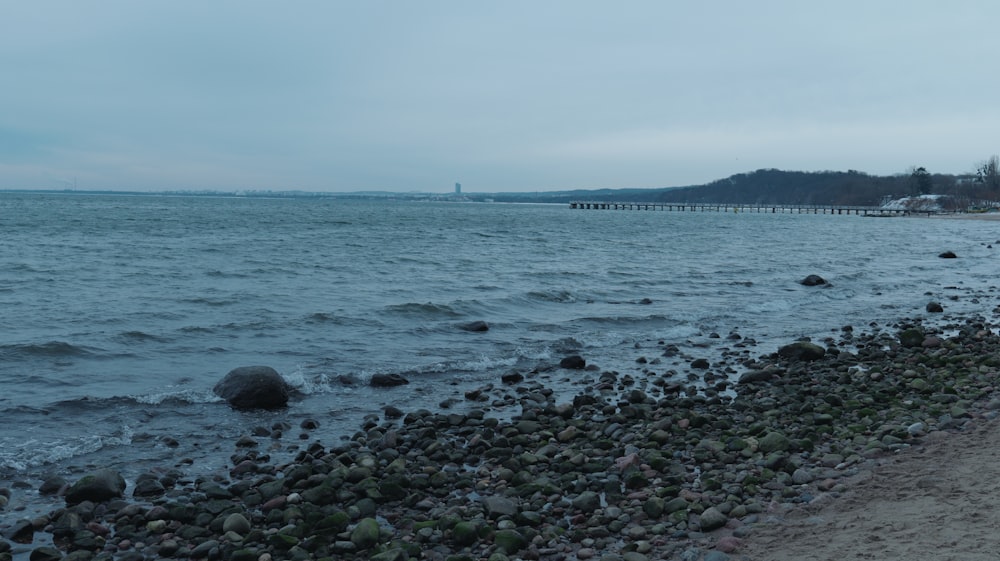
column 773, row 442
column 802, row 350
column 102, row 485
column 366, row 534
column 510, row 541
column 912, row 337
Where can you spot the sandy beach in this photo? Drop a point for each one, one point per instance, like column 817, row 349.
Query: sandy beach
column 931, row 502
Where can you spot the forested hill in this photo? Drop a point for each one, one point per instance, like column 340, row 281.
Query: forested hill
column 768, row 186
column 771, row 186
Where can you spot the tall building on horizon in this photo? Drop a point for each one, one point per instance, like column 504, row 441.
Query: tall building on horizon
column 458, row 188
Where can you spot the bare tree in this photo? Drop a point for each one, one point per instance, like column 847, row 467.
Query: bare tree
column 988, row 172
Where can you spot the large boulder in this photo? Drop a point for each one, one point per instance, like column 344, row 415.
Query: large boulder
column 802, row 350
column 813, row 280
column 911, row 337
column 387, row 380
column 253, row 387
column 476, row 326
column 102, row 485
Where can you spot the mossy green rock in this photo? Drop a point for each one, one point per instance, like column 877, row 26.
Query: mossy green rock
column 510, row 541
column 366, row 534
column 675, row 505
column 332, row 524
column 395, row 554
column 654, row 507
column 802, row 350
column 283, row 541
column 912, row 337
column 465, row 533
column 244, row 555
column 102, row 485
column 236, row 522
column 773, row 442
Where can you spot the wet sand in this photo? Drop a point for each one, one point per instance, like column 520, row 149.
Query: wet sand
column 933, row 502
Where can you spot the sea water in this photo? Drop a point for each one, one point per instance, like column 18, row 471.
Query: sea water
column 120, row 313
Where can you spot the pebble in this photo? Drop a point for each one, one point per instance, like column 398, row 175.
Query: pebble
column 636, row 469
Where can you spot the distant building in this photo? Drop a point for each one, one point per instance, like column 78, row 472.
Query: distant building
column 458, row 188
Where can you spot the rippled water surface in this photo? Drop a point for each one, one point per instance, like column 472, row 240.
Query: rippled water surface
column 120, row 313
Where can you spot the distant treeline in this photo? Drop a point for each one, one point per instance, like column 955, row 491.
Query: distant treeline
column 772, row 186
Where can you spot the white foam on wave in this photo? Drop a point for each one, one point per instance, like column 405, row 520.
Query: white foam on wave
column 23, row 455
column 185, row 396
column 318, row 384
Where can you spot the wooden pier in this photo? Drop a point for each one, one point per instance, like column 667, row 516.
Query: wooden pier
column 742, row 207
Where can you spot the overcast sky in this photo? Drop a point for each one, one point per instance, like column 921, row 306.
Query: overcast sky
column 500, row 96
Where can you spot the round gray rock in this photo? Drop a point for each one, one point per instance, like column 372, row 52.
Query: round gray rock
column 253, row 387
column 102, row 485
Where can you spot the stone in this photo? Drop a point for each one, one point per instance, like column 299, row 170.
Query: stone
column 45, row 553
column 587, row 501
column 934, row 308
column 773, row 442
column 947, row 255
column 236, row 522
column 654, row 507
column 512, row 378
column 498, row 506
column 712, row 519
column 394, row 554
column 204, row 549
column 813, row 280
column 802, row 476
column 366, row 534
column 510, row 541
column 476, row 326
column 23, row 531
column 700, row 364
column 52, row 485
column 387, row 380
column 465, row 533
column 911, row 337
column 574, row 362
column 102, row 485
column 675, row 505
column 148, row 485
column 253, row 387
column 802, row 350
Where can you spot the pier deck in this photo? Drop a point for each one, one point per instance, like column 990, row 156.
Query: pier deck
column 741, row 207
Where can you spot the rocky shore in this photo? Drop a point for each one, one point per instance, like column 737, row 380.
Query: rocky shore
column 636, row 466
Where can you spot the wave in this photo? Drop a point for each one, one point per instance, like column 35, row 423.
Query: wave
column 558, row 296
column 134, row 336
column 179, row 397
column 428, row 309
column 214, row 302
column 226, row 275
column 54, row 349
column 326, row 317
column 20, row 455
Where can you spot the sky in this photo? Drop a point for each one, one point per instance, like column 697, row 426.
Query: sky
column 500, row 96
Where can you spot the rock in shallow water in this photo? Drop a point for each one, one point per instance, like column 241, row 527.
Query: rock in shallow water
column 253, row 387
column 802, row 350
column 102, row 485
column 813, row 280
